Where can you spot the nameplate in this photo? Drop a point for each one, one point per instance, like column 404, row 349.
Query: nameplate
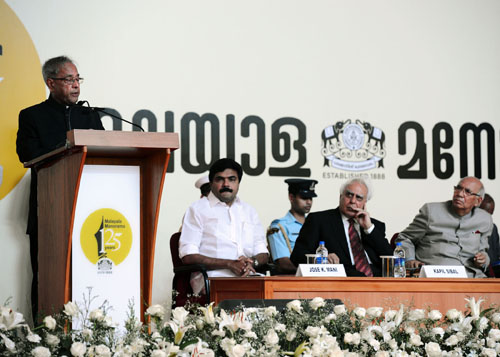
column 443, row 271
column 331, row 270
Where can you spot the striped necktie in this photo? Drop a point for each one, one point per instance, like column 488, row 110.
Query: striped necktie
column 358, row 252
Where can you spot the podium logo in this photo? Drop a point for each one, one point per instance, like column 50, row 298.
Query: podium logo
column 106, row 238
column 21, row 86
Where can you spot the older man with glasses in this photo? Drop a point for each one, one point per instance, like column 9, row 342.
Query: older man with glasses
column 353, row 238
column 454, row 232
column 43, row 127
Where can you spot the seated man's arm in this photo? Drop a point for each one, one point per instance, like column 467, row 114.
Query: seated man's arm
column 279, row 250
column 243, row 266
column 412, row 234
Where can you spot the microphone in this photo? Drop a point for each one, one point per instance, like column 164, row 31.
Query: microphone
column 103, row 110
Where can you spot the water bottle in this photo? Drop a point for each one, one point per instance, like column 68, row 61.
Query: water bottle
column 399, row 261
column 321, row 254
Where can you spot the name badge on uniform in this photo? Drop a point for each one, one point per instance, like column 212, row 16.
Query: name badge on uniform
column 443, row 271
column 321, row 270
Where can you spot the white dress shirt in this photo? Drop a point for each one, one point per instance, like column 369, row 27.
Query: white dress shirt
column 346, row 223
column 216, row 230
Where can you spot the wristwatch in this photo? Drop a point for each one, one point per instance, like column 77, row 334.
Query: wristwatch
column 255, row 263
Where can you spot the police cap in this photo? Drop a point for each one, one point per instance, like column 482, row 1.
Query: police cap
column 302, row 187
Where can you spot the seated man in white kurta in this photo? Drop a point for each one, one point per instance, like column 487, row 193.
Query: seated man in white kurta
column 221, row 231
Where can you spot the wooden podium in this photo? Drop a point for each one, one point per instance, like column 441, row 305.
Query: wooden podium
column 59, row 177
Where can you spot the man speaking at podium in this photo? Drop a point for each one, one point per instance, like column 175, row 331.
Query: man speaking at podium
column 43, row 127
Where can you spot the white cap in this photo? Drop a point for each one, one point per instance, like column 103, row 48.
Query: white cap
column 201, row 181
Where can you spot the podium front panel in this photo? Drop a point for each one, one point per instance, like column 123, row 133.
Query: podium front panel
column 106, row 239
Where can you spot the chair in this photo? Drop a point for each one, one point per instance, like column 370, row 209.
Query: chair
column 182, row 276
column 393, row 240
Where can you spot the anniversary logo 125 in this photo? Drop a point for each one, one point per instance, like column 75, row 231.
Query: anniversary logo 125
column 106, row 239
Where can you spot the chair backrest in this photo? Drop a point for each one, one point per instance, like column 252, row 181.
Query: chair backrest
column 393, row 240
column 181, row 282
column 174, row 249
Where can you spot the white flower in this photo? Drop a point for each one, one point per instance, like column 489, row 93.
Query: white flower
column 78, row 349
column 475, row 307
column 96, row 315
column 158, row 353
column 339, row 309
column 156, row 311
column 10, row 319
column 71, row 309
column 270, row 311
column 102, row 351
column 330, row 317
column 415, row 340
column 87, row 334
column 50, row 322
column 409, row 330
column 52, row 340
column 179, row 315
column 208, row 314
column 435, row 315
column 494, row 334
column 488, row 352
column 483, row 323
column 33, row 337
column 451, row 341
column 40, row 352
column 438, row 331
column 271, row 338
column 382, row 354
column 9, row 344
column 280, row 327
column 352, row 338
column 312, row 331
column 390, row 314
column 490, row 342
column 290, row 335
column 250, row 334
column 453, row 314
column 393, row 344
column 374, row 312
column 374, row 343
column 360, row 312
column 232, row 349
column 433, row 349
column 316, row 303
column 416, row 314
column 294, row 305
column 496, row 317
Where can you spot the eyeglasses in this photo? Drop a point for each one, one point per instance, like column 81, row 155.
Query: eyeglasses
column 467, row 192
column 69, row 80
column 350, row 195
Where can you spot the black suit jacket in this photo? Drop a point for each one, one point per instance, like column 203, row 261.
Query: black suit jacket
column 327, row 226
column 42, row 128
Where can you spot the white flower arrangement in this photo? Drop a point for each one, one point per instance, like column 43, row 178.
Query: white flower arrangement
column 304, row 328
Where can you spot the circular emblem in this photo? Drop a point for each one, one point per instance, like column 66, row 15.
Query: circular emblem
column 21, row 85
column 106, row 235
column 353, row 136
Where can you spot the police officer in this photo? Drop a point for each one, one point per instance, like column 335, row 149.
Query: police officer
column 283, row 232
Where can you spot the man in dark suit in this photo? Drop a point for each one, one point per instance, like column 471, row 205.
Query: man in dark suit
column 351, row 236
column 43, row 127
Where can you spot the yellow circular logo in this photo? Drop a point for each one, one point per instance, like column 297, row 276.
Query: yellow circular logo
column 106, row 233
column 21, row 86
